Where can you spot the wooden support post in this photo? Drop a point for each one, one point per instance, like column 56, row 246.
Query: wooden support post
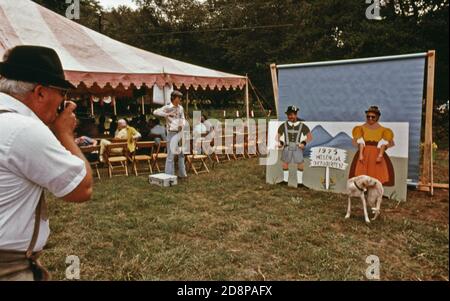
column 273, row 71
column 327, row 178
column 187, row 103
column 143, row 105
column 425, row 187
column 114, row 105
column 247, row 101
column 92, row 106
column 427, row 162
column 164, row 95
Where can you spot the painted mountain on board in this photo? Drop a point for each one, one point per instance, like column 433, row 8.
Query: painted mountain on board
column 321, row 137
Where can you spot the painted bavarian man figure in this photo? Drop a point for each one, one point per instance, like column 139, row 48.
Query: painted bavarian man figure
column 291, row 138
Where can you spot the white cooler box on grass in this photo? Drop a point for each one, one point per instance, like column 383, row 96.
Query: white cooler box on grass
column 163, row 180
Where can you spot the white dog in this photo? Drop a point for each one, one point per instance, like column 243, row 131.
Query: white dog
column 357, row 187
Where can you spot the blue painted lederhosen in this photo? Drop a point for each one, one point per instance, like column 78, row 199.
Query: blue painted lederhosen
column 292, row 153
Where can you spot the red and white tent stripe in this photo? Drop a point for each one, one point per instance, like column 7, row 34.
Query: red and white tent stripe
column 92, row 58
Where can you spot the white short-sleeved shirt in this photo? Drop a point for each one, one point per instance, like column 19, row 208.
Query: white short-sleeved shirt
column 31, row 159
column 172, row 123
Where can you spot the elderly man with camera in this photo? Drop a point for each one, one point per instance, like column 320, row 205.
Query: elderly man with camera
column 37, row 152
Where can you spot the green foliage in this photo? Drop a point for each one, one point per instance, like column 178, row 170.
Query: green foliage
column 242, row 36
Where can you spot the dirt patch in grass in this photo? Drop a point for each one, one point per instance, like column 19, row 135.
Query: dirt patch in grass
column 422, row 207
column 441, row 169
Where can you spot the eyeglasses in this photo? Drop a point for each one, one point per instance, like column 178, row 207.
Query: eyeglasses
column 371, row 117
column 62, row 92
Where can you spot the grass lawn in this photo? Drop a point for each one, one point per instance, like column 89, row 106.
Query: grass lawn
column 230, row 225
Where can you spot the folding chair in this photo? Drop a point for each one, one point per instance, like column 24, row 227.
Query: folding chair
column 159, row 154
column 239, row 146
column 116, row 157
column 115, row 140
column 251, row 145
column 197, row 157
column 92, row 154
column 208, row 149
column 224, row 151
column 143, row 153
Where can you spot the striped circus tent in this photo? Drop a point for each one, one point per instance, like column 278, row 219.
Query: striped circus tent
column 94, row 61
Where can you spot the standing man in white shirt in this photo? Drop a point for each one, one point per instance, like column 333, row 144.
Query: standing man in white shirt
column 175, row 122
column 37, row 152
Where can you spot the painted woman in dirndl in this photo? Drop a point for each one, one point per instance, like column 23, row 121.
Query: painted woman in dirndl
column 371, row 158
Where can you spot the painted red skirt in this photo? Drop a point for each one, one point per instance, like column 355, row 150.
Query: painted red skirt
column 383, row 171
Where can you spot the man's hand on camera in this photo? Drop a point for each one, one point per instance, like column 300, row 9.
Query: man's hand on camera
column 65, row 123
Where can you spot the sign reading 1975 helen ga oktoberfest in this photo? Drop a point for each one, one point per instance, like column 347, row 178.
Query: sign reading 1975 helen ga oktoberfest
column 333, row 150
column 328, row 157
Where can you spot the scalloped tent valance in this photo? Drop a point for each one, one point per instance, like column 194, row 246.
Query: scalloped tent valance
column 90, row 58
column 114, row 80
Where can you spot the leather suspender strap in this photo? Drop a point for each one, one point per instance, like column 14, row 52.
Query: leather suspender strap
column 39, row 271
column 286, row 134
column 37, row 223
column 299, row 134
column 287, row 131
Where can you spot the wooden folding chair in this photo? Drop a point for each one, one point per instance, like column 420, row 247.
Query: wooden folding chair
column 251, row 145
column 92, row 154
column 197, row 157
column 207, row 142
column 116, row 156
column 143, row 153
column 159, row 155
column 115, row 140
column 224, row 152
column 239, row 146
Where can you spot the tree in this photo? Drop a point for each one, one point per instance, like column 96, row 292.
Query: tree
column 242, row 36
column 90, row 11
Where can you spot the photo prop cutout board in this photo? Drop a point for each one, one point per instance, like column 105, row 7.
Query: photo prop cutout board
column 329, row 157
column 341, row 91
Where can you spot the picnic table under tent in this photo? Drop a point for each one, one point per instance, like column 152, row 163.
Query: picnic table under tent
column 98, row 65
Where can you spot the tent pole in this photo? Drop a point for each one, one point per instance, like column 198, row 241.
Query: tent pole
column 427, row 178
column 143, row 105
column 273, row 71
column 257, row 97
column 92, row 106
column 164, row 94
column 187, row 102
column 247, row 101
column 114, row 105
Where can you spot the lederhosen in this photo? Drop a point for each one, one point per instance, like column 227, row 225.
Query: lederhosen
column 292, row 153
column 14, row 262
